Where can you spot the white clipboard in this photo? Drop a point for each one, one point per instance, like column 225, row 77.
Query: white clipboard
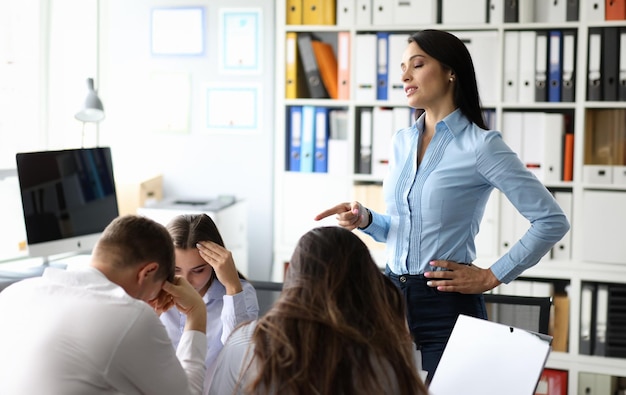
column 487, row 358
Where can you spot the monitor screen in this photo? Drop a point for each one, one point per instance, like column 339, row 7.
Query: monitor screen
column 68, row 198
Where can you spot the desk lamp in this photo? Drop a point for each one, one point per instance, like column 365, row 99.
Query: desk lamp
column 93, row 111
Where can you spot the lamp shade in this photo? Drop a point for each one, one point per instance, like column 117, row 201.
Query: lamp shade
column 93, row 110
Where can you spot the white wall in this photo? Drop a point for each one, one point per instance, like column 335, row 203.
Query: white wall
column 199, row 163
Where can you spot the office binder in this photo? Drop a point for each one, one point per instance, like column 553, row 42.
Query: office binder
column 311, row 69
column 622, row 64
column 594, row 56
column 295, row 137
column 295, row 85
column 571, row 10
column 463, row 11
column 401, row 119
column 364, row 159
column 511, row 11
column 542, row 144
column 495, row 13
column 596, row 383
column 382, row 67
column 382, row 12
column 550, row 11
column 318, row 12
column 555, row 65
column 587, row 318
column 382, row 129
column 363, row 14
column 568, row 157
column 345, row 12
column 615, row 10
column 338, row 142
column 526, row 76
column 320, row 164
column 541, row 66
column 569, row 66
column 594, row 10
column 480, row 45
column 616, row 322
column 563, row 249
column 526, row 11
column 294, row 12
column 602, row 315
column 609, row 63
column 343, row 65
column 512, row 130
column 395, row 87
column 327, row 64
column 365, row 74
column 511, row 64
column 414, row 12
column 307, row 144
column 552, row 382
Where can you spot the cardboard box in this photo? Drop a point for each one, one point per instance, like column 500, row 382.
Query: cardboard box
column 134, row 194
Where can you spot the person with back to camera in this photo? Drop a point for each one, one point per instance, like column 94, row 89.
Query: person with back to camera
column 441, row 172
column 90, row 330
column 202, row 259
column 337, row 327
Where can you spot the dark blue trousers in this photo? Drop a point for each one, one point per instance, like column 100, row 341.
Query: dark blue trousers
column 431, row 315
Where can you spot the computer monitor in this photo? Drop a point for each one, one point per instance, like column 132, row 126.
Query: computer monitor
column 68, row 198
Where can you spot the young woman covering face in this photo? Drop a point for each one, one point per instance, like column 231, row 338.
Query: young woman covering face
column 203, row 260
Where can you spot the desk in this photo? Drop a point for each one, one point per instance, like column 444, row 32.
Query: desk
column 25, row 267
column 229, row 217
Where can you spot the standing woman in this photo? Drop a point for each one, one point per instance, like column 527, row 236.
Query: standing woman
column 202, row 259
column 441, row 172
column 338, row 327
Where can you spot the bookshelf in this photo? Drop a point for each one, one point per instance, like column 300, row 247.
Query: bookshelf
column 597, row 253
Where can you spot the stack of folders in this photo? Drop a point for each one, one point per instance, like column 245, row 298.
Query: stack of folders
column 606, row 78
column 539, row 66
column 310, row 12
column 603, row 320
column 553, row 382
column 542, row 143
column 366, row 13
column 381, row 79
column 375, row 128
column 312, row 69
column 529, row 11
column 317, row 140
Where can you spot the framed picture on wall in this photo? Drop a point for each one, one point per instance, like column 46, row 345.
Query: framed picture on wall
column 240, row 38
column 177, row 31
column 169, row 101
column 233, row 108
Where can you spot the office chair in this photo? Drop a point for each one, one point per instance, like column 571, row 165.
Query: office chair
column 526, row 312
column 266, row 292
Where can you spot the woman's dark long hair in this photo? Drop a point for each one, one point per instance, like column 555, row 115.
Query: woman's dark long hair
column 450, row 51
column 338, row 327
column 189, row 229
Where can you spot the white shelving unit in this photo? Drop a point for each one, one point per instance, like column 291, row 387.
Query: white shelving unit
column 299, row 196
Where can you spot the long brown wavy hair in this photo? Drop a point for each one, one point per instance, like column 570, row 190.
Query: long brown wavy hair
column 338, row 326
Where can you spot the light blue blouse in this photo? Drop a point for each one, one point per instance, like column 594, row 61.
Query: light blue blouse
column 434, row 211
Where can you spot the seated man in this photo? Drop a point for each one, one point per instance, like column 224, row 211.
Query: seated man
column 90, row 331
